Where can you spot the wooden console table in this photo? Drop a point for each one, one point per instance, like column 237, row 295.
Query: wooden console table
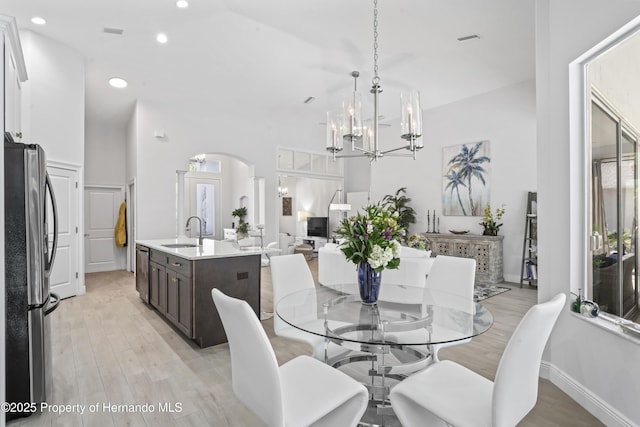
column 486, row 250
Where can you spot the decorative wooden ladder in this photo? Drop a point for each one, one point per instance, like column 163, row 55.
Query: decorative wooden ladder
column 529, row 267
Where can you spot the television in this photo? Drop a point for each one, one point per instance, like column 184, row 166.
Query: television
column 317, row 226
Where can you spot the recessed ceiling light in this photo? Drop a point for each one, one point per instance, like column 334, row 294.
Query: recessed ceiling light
column 162, row 38
column 182, row 4
column 118, row 82
column 38, row 20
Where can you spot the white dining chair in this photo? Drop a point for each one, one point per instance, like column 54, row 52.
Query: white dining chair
column 301, row 392
column 455, row 276
column 265, row 259
column 289, row 274
column 455, row 395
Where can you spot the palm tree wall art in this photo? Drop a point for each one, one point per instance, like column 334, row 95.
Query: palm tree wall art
column 466, row 178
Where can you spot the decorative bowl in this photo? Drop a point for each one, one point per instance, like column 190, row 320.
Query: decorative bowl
column 458, row 231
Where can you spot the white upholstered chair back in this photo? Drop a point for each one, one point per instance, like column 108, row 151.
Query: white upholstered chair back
column 289, row 273
column 452, row 280
column 516, row 384
column 301, row 392
column 255, row 375
column 455, row 276
column 449, row 392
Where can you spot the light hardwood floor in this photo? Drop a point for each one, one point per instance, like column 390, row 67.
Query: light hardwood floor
column 110, row 348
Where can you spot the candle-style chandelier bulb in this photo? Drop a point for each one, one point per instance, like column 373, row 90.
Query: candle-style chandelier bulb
column 352, row 116
column 411, row 120
column 334, row 131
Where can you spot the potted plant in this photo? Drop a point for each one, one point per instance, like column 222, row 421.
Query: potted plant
column 372, row 242
column 490, row 222
column 399, row 203
column 242, row 230
column 418, row 241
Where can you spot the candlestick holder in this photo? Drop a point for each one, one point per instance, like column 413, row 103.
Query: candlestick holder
column 434, row 221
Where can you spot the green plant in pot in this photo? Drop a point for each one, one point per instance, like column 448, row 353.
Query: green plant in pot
column 490, row 221
column 612, row 239
column 242, row 230
column 399, row 203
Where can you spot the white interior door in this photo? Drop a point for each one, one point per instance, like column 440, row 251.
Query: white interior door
column 102, row 205
column 64, row 279
column 131, row 226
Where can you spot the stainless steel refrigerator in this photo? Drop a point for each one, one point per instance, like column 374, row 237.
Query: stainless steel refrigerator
column 28, row 261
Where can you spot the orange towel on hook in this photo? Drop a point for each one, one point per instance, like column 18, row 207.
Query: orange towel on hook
column 120, row 231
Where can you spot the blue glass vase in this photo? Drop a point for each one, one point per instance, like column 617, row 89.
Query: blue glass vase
column 368, row 283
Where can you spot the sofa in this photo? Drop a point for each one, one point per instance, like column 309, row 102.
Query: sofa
column 335, row 269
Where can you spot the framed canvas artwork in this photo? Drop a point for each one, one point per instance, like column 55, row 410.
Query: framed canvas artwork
column 465, row 182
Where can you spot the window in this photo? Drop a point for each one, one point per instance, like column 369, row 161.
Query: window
column 308, row 163
column 614, row 201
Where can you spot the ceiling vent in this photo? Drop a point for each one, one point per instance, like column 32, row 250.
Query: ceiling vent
column 116, row 31
column 468, row 38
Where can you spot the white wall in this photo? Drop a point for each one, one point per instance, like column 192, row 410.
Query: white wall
column 53, row 111
column 105, row 155
column 131, row 146
column 239, row 184
column 597, row 368
column 194, row 129
column 53, row 98
column 357, row 176
column 506, row 118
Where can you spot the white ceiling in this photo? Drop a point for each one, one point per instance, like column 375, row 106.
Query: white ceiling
column 258, row 56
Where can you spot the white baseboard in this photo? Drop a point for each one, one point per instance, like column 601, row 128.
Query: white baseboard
column 585, row 397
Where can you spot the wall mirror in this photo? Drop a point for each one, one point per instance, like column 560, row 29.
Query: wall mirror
column 613, row 196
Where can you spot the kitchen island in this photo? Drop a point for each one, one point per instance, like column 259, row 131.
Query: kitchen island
column 179, row 278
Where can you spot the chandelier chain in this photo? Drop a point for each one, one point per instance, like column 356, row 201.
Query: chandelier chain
column 363, row 136
column 376, row 78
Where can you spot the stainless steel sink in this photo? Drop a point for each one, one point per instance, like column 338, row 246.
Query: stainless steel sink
column 180, row 245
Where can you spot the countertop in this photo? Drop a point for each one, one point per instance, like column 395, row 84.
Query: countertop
column 210, row 249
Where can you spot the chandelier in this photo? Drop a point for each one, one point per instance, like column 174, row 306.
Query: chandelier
column 282, row 191
column 347, row 126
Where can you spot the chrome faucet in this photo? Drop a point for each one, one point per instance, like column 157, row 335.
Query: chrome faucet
column 200, row 238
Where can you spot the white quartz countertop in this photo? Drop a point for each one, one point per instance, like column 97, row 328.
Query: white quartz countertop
column 210, row 248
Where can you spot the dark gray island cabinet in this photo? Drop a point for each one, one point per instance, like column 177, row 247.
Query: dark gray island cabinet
column 180, row 288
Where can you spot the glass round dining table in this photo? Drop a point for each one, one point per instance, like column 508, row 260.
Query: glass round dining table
column 394, row 337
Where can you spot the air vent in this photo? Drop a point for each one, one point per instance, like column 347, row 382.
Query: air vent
column 116, row 31
column 468, row 38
